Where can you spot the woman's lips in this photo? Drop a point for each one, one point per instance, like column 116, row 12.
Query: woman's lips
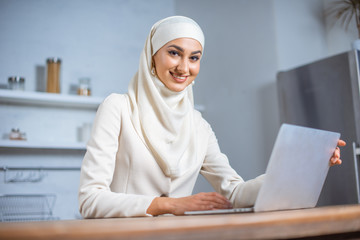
column 179, row 79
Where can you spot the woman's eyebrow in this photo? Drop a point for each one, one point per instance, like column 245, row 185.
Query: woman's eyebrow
column 182, row 50
column 196, row 52
column 177, row 47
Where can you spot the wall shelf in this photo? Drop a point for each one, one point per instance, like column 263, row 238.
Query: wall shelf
column 49, row 99
column 15, row 144
column 55, row 100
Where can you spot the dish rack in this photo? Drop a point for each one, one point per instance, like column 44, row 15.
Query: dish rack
column 27, row 207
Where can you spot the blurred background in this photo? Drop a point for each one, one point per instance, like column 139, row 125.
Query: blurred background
column 247, row 42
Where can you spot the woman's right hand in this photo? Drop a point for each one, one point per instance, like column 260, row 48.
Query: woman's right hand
column 197, row 202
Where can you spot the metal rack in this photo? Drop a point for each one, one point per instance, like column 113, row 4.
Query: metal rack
column 30, row 174
column 27, row 207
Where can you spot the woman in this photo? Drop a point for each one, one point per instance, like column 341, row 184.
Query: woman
column 148, row 146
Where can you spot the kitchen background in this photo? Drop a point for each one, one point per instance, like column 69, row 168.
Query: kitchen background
column 247, row 43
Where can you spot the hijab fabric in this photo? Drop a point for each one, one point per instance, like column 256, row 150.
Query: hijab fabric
column 162, row 118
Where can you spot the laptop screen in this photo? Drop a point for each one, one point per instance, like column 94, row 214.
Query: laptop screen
column 297, row 168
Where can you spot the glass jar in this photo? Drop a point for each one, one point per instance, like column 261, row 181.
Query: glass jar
column 15, row 134
column 84, row 87
column 16, row 83
column 53, row 75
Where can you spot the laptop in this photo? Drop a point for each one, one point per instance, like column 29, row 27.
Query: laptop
column 296, row 171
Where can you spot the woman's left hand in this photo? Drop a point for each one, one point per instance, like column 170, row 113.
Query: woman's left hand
column 335, row 158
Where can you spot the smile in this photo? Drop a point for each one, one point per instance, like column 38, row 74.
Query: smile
column 179, row 79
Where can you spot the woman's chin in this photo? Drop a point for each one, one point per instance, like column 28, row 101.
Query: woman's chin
column 177, row 87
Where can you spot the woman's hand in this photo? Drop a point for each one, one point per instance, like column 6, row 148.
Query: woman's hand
column 335, row 158
column 197, row 202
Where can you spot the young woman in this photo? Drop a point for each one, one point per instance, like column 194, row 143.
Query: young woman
column 148, row 146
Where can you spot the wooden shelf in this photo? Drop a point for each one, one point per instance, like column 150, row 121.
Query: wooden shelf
column 14, row 144
column 49, row 99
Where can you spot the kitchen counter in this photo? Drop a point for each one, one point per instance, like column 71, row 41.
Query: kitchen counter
column 333, row 222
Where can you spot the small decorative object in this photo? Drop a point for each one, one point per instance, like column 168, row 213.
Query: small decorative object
column 15, row 134
column 53, row 75
column 84, row 87
column 84, row 132
column 344, row 11
column 16, row 83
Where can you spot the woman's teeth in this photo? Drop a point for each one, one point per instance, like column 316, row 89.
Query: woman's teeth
column 179, row 77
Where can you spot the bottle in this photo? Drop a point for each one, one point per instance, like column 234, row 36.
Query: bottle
column 84, row 87
column 16, row 83
column 53, row 75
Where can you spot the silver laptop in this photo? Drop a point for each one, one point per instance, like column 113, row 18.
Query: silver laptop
column 295, row 173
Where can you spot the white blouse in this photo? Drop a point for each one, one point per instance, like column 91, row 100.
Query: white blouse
column 120, row 177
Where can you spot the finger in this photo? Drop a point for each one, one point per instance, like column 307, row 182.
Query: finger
column 341, row 143
column 217, row 199
column 337, row 152
column 332, row 164
column 203, row 204
column 220, row 205
column 222, row 200
column 335, row 161
column 217, row 202
column 213, row 196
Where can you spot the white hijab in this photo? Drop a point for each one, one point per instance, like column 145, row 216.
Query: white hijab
column 163, row 118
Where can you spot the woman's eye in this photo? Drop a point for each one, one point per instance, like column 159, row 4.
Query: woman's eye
column 194, row 58
column 173, row 53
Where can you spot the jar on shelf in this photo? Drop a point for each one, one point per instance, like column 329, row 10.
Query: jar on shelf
column 16, row 83
column 15, row 134
column 53, row 75
column 84, row 87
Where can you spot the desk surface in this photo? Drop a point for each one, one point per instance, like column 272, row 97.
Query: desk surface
column 267, row 225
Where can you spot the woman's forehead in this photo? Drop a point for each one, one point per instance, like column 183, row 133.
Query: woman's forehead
column 186, row 43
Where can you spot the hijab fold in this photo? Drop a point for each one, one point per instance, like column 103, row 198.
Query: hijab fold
column 162, row 118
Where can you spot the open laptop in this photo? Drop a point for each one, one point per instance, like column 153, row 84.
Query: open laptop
column 295, row 173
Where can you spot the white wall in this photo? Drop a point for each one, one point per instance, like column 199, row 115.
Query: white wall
column 305, row 32
column 300, row 32
column 94, row 38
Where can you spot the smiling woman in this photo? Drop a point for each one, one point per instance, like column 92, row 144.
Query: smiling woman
column 148, row 146
column 178, row 63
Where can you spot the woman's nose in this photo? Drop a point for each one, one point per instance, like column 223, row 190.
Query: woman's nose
column 183, row 66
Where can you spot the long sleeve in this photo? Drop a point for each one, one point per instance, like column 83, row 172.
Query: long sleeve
column 217, row 170
column 96, row 199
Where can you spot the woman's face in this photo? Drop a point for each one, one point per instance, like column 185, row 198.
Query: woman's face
column 177, row 63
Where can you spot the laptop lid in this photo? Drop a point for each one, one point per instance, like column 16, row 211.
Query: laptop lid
column 297, row 168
